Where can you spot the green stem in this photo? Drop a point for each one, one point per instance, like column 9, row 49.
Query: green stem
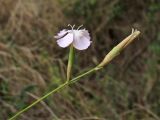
column 40, row 99
column 70, row 62
column 53, row 91
column 84, row 74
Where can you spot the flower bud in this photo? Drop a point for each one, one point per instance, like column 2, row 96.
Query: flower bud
column 117, row 49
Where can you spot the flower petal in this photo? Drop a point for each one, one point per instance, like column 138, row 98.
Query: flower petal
column 61, row 34
column 86, row 33
column 82, row 40
column 66, row 40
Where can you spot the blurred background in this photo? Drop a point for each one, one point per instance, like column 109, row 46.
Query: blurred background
column 31, row 63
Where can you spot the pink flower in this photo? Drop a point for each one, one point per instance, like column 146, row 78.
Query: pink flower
column 79, row 38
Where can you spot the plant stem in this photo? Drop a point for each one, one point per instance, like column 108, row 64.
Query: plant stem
column 84, row 74
column 53, row 91
column 70, row 62
column 40, row 99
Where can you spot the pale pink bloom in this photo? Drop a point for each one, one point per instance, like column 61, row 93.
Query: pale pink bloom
column 79, row 38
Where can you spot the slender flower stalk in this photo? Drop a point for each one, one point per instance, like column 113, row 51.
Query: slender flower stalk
column 70, row 62
column 37, row 101
column 51, row 92
column 110, row 56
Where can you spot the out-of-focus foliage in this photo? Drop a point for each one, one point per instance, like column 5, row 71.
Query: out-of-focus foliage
column 31, row 64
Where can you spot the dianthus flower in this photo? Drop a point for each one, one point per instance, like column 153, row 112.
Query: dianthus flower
column 80, row 38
